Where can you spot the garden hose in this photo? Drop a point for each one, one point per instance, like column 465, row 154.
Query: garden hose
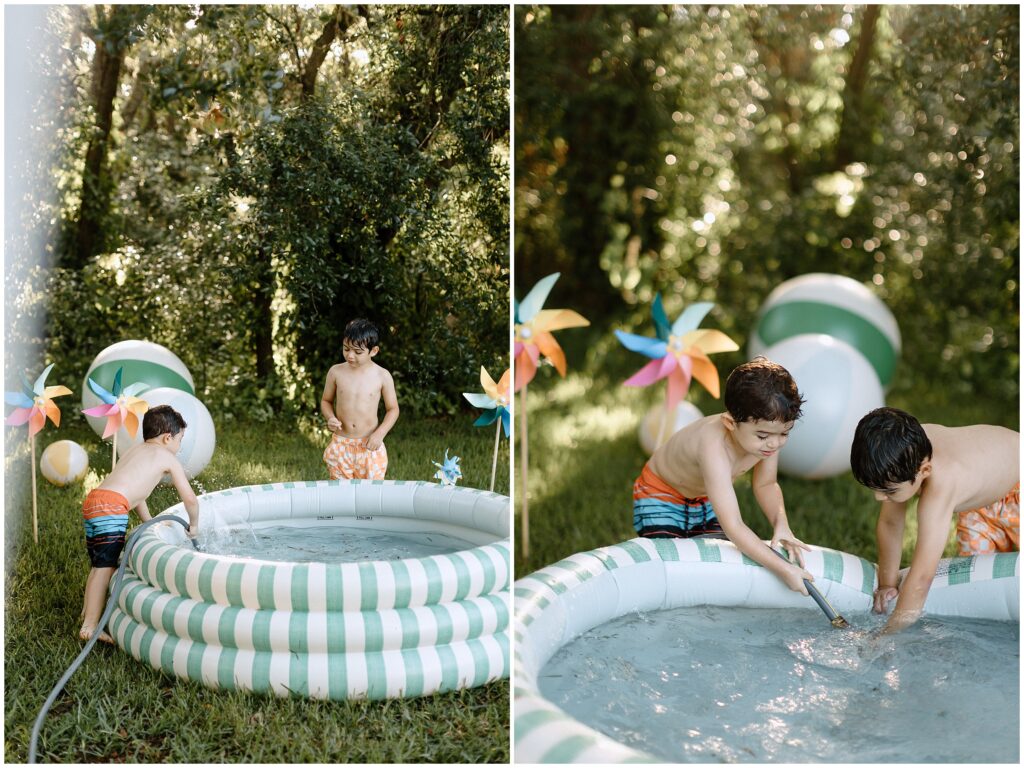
column 111, row 602
column 831, row 614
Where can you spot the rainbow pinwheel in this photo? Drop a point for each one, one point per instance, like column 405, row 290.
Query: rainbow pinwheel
column 680, row 352
column 533, row 331
column 35, row 404
column 120, row 406
column 494, row 401
column 448, row 473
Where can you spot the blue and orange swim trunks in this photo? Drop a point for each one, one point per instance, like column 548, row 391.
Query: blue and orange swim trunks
column 105, row 515
column 660, row 511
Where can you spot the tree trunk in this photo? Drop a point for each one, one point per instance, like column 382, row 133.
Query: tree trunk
column 852, row 129
column 339, row 22
column 263, row 327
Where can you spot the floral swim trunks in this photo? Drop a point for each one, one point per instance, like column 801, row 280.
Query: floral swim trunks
column 348, row 458
column 995, row 528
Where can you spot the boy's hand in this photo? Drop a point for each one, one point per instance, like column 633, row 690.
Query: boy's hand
column 883, row 596
column 333, row 424
column 373, row 442
column 793, row 578
column 784, row 537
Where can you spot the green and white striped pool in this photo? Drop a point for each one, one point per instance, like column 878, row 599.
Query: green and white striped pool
column 371, row 629
column 562, row 601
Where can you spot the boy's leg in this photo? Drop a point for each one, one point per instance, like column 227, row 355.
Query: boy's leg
column 95, row 601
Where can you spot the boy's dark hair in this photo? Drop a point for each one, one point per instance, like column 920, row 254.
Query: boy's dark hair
column 888, row 448
column 160, row 420
column 762, row 390
column 362, row 333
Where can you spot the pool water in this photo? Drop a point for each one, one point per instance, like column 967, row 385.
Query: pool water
column 325, row 544
column 710, row 684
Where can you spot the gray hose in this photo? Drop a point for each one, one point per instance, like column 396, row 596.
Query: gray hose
column 111, row 602
column 831, row 613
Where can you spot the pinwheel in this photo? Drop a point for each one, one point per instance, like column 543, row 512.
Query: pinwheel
column 679, row 353
column 533, row 339
column 495, row 402
column 448, row 473
column 34, row 405
column 119, row 406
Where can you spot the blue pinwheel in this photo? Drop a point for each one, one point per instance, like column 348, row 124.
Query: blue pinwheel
column 494, row 400
column 679, row 351
column 35, row 403
column 448, row 473
column 120, row 406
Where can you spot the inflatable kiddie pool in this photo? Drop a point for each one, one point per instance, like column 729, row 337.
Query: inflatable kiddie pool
column 561, row 601
column 370, row 629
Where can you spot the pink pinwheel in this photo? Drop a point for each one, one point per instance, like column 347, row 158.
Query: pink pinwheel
column 121, row 406
column 533, row 331
column 680, row 351
column 35, row 404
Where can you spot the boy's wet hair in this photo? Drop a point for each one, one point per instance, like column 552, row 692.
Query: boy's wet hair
column 888, row 449
column 161, row 420
column 762, row 391
column 362, row 333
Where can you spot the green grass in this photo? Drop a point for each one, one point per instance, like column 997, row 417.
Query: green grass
column 584, row 456
column 118, row 710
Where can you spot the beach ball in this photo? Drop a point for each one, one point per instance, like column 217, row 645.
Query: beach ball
column 200, row 436
column 839, row 386
column 64, row 462
column 653, row 421
column 837, row 306
column 143, row 361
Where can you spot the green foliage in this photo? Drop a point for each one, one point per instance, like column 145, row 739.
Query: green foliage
column 696, row 151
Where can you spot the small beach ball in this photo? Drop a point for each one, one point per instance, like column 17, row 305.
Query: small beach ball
column 837, row 306
column 653, row 421
column 839, row 386
column 64, row 462
column 200, row 436
column 142, row 361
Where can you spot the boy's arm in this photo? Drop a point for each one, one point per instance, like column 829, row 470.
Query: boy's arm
column 889, row 531
column 187, row 495
column 769, row 497
column 934, row 510
column 327, row 402
column 387, row 392
column 718, row 482
column 143, row 511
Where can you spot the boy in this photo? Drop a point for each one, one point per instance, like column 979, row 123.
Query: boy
column 105, row 509
column 351, row 396
column 972, row 471
column 685, row 489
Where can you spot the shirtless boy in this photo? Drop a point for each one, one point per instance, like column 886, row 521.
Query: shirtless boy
column 350, row 401
column 686, row 490
column 972, row 472
column 129, row 484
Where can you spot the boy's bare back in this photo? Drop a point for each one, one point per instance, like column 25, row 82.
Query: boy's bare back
column 355, row 394
column 972, row 466
column 140, row 469
column 682, row 461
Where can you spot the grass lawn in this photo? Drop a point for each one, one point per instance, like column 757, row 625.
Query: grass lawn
column 584, row 456
column 115, row 709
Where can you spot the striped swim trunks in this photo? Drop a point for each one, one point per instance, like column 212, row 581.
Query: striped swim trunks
column 660, row 511
column 105, row 515
column 348, row 458
column 995, row 528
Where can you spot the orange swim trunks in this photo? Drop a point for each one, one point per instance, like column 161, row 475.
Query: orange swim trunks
column 995, row 528
column 348, row 458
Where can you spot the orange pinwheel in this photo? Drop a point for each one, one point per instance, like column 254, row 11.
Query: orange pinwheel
column 35, row 404
column 120, row 406
column 533, row 332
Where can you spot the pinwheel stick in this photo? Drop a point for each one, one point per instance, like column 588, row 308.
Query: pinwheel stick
column 113, row 459
column 523, row 455
column 665, row 420
column 494, row 463
column 35, row 516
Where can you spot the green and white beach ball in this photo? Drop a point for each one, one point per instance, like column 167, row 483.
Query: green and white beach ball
column 142, row 361
column 839, row 386
column 200, row 436
column 64, row 462
column 837, row 306
column 653, row 423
